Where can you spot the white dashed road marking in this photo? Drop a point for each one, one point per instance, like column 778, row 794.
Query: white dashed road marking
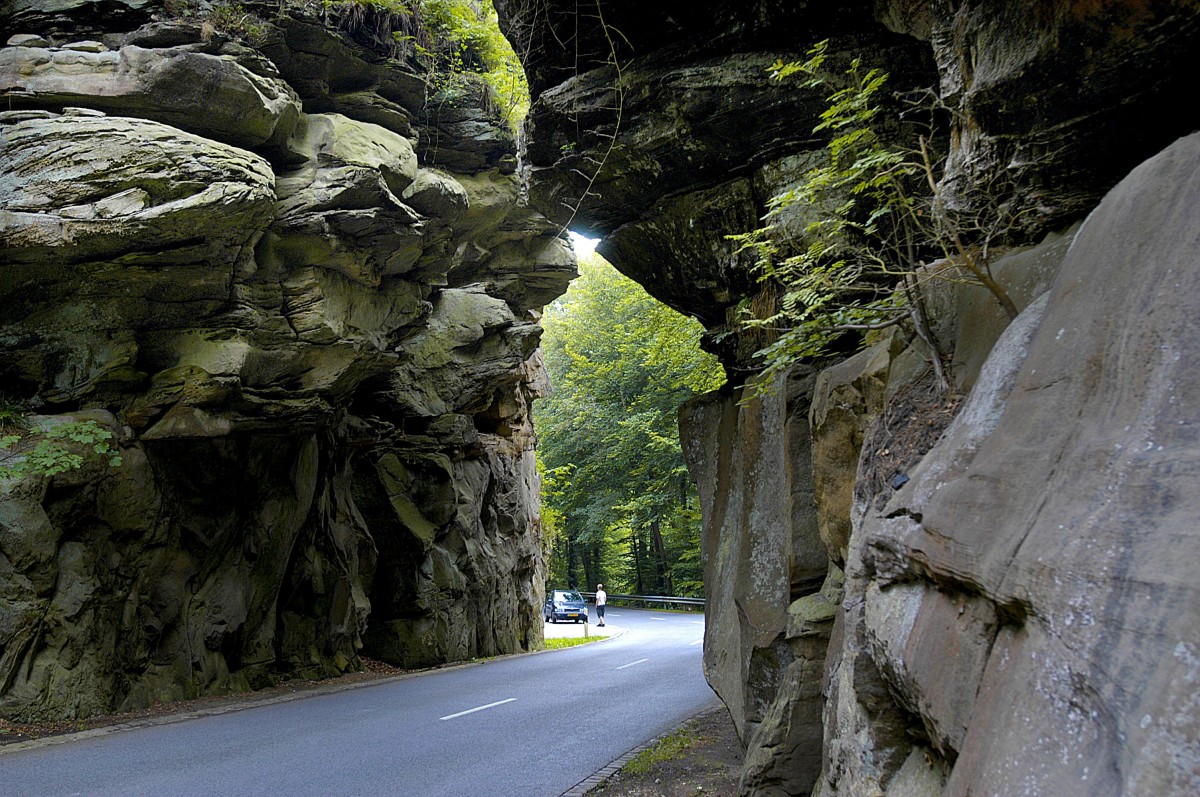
column 630, row 664
column 478, row 708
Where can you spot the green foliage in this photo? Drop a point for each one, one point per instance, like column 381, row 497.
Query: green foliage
column 234, row 20
column 231, row 18
column 838, row 271
column 407, row 7
column 12, row 415
column 471, row 31
column 873, row 214
column 47, row 448
column 615, row 490
column 551, row 518
column 461, row 42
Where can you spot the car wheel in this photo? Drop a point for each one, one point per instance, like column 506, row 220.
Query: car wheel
column 553, row 619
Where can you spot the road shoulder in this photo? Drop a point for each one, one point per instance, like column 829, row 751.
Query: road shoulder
column 710, row 765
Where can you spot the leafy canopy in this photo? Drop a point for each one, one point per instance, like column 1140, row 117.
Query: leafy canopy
column 620, row 365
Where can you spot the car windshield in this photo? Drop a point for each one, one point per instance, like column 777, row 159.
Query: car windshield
column 568, row 596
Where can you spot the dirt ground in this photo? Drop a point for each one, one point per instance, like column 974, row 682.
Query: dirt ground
column 710, row 767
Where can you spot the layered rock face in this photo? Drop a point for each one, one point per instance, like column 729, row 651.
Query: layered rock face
column 302, row 293
column 990, row 644
column 662, row 135
column 1009, row 622
column 770, row 593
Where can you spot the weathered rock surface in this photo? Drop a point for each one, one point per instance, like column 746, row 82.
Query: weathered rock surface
column 210, row 94
column 315, row 350
column 661, row 141
column 81, row 189
column 688, row 145
column 356, row 74
column 1051, row 99
column 767, row 622
column 1017, row 616
column 995, row 592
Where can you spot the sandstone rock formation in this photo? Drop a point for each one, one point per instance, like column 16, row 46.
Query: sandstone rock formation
column 304, row 300
column 767, row 619
column 310, row 323
column 661, row 141
column 993, row 595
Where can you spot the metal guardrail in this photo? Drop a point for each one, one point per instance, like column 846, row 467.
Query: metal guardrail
column 648, row 600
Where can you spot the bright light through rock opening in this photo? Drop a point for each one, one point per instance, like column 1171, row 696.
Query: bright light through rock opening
column 583, row 246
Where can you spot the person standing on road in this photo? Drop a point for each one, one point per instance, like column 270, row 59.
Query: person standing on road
column 601, row 599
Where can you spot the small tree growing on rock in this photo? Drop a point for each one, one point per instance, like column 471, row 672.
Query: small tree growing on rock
column 854, row 263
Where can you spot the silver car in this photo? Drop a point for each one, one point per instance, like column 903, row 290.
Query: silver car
column 564, row 604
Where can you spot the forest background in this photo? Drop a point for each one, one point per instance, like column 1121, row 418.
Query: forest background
column 618, row 506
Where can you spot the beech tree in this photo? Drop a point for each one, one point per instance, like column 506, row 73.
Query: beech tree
column 616, row 494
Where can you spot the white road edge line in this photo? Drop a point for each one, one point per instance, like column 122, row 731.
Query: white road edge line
column 477, row 708
column 630, row 664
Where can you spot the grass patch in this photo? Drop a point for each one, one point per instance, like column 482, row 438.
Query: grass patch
column 668, row 747
column 570, row 641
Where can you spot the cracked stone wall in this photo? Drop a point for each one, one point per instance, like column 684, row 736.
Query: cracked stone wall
column 990, row 599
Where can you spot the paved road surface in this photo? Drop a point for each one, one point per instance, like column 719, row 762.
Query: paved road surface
column 523, row 726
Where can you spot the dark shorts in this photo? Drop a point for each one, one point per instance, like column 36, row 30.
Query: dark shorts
column 600, row 610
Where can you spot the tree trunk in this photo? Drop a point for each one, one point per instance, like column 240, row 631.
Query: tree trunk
column 594, row 576
column 639, row 586
column 660, row 550
column 570, row 564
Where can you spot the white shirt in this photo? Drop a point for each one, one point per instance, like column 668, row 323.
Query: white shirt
column 601, row 597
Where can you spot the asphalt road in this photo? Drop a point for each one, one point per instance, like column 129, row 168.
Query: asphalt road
column 522, row 726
